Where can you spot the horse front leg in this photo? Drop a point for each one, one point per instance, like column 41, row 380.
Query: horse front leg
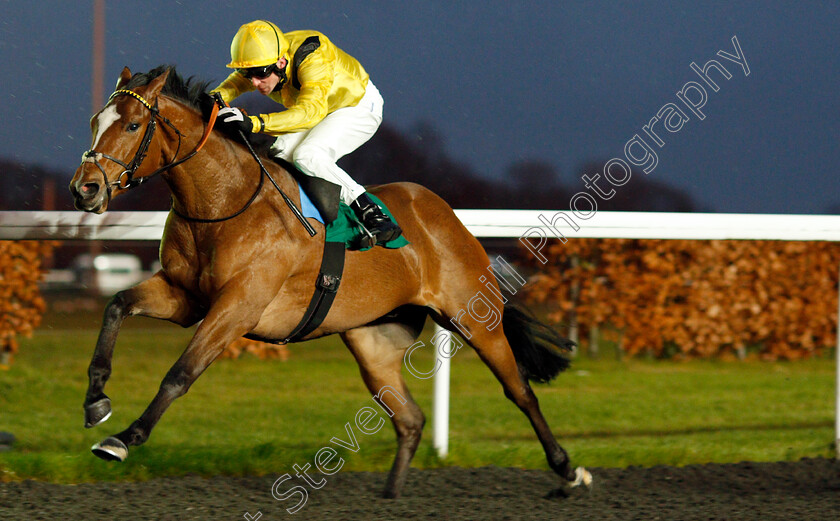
column 155, row 297
column 227, row 320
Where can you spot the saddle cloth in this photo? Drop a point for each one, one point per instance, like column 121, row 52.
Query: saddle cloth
column 346, row 228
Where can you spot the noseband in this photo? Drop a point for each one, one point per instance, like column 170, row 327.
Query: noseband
column 92, row 156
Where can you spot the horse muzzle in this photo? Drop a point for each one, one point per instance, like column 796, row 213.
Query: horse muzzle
column 89, row 196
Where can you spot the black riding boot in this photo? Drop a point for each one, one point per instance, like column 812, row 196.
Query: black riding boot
column 380, row 226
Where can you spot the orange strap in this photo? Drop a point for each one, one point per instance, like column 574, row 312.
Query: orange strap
column 209, row 127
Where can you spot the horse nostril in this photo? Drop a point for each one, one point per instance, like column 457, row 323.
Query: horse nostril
column 89, row 189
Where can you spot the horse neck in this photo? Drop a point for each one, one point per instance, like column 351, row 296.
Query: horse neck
column 220, row 179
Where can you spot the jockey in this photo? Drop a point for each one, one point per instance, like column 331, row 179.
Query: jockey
column 332, row 107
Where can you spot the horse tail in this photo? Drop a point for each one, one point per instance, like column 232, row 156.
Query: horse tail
column 540, row 352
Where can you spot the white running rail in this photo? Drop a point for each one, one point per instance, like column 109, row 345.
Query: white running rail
column 534, row 224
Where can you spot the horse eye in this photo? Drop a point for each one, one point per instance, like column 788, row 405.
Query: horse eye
column 132, row 127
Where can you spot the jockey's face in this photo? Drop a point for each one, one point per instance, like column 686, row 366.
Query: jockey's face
column 265, row 85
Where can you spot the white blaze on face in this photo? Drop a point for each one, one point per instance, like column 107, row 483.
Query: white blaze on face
column 105, row 119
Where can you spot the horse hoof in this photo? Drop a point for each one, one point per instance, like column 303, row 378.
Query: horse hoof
column 110, row 449
column 97, row 412
column 582, row 477
column 390, row 494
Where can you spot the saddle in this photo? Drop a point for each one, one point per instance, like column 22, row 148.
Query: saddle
column 342, row 232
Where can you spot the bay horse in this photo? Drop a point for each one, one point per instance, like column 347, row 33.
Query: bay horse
column 246, row 267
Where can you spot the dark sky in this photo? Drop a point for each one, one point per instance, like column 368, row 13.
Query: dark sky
column 561, row 82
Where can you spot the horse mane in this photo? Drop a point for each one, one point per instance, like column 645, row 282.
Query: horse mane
column 189, row 91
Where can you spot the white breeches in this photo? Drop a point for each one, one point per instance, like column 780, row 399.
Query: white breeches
column 315, row 151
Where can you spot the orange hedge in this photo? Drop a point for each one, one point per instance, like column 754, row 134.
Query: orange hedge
column 696, row 298
column 262, row 350
column 21, row 304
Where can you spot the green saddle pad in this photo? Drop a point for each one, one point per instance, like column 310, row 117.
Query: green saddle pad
column 347, row 229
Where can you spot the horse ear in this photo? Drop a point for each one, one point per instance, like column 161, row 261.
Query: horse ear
column 156, row 85
column 125, row 75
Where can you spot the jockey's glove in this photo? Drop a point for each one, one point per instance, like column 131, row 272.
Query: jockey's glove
column 232, row 120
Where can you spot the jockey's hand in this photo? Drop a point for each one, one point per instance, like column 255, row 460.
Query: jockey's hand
column 233, row 120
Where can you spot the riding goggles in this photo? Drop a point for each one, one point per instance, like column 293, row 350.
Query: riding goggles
column 258, row 72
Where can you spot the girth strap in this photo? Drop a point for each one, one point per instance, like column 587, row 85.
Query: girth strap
column 329, row 278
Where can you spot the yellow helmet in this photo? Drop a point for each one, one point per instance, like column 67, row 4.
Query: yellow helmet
column 257, row 44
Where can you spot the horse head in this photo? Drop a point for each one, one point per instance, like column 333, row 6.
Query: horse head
column 123, row 136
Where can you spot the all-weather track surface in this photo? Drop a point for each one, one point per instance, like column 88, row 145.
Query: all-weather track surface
column 808, row 489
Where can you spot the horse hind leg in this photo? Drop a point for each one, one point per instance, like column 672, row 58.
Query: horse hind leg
column 541, row 354
column 521, row 349
column 379, row 350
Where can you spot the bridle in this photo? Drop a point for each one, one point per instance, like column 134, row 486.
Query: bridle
column 92, row 156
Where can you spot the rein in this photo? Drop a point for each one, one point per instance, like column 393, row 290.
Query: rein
column 263, row 174
column 92, row 156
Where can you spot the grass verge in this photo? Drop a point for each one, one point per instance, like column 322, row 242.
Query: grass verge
column 260, row 417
